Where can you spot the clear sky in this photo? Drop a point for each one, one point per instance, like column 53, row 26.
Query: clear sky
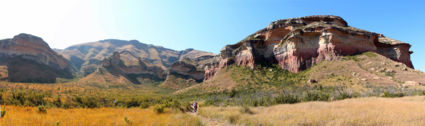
column 201, row 24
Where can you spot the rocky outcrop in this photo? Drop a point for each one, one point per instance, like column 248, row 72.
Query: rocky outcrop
column 188, row 70
column 132, row 67
column 29, row 59
column 297, row 44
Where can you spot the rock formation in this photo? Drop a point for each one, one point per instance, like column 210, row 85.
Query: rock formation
column 29, row 59
column 88, row 57
column 132, row 67
column 297, row 44
column 188, row 70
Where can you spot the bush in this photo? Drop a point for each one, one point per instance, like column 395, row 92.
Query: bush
column 391, row 95
column 233, row 118
column 144, row 105
column 3, row 112
column 343, row 95
column 286, row 99
column 245, row 109
column 316, row 96
column 42, row 109
column 58, row 102
column 127, row 120
column 159, row 109
column 173, row 104
column 88, row 102
column 233, row 93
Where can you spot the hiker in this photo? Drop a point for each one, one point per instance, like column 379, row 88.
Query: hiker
column 195, row 106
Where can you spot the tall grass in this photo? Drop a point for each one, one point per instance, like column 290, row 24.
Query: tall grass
column 359, row 111
column 29, row 116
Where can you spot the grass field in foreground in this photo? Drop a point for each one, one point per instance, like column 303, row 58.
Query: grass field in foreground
column 360, row 111
column 30, row 116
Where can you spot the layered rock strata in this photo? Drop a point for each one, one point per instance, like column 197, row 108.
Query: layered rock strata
column 29, row 59
column 297, row 44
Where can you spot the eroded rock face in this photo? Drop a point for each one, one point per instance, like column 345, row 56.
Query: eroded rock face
column 30, row 59
column 188, row 70
column 88, row 57
column 132, row 67
column 297, row 44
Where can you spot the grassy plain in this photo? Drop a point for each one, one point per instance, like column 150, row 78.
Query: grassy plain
column 30, row 116
column 373, row 111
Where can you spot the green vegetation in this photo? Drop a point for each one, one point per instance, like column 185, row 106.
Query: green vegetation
column 3, row 112
column 265, row 85
column 42, row 109
column 390, row 94
column 159, row 109
column 127, row 120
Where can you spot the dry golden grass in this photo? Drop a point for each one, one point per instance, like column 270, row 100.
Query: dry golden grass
column 29, row 116
column 362, row 111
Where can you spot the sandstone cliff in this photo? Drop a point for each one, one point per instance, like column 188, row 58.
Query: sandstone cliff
column 29, row 59
column 297, row 44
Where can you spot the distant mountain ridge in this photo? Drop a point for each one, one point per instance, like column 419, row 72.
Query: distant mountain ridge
column 88, row 56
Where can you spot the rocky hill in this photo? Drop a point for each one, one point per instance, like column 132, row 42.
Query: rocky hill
column 89, row 56
column 29, row 59
column 313, row 57
column 130, row 61
column 297, row 44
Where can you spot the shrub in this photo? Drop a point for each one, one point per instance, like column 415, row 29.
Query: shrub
column 127, row 120
column 58, row 102
column 42, row 109
column 159, row 109
column 233, row 118
column 3, row 112
column 89, row 102
column 132, row 103
column 316, row 96
column 144, row 105
column 233, row 93
column 286, row 99
column 343, row 95
column 245, row 109
column 173, row 104
column 388, row 94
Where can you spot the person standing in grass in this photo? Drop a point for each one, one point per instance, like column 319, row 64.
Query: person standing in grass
column 195, row 107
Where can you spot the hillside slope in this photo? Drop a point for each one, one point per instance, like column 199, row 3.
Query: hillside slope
column 366, row 74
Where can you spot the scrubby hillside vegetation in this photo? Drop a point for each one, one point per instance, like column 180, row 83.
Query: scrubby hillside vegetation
column 363, row 75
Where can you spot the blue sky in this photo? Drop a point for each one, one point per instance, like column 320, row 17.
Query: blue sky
column 201, row 24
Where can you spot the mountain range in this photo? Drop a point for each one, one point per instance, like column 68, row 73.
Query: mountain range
column 294, row 45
